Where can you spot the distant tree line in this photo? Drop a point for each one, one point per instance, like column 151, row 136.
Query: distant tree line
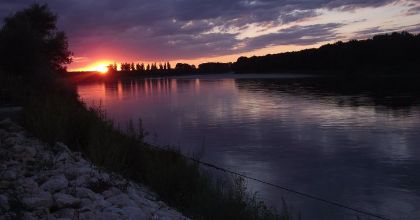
column 386, row 53
column 396, row 52
column 140, row 67
column 180, row 68
column 215, row 67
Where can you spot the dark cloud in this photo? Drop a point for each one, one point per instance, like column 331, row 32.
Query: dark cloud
column 370, row 32
column 413, row 28
column 414, row 10
column 181, row 29
column 299, row 35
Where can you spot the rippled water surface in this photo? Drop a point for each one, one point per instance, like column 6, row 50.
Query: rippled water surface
column 356, row 142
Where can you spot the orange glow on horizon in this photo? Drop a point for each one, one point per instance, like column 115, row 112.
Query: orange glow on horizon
column 99, row 66
column 102, row 65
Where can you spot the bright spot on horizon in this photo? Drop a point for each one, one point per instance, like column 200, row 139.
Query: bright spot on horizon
column 100, row 67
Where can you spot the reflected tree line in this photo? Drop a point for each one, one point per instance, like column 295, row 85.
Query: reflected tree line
column 397, row 95
column 134, row 87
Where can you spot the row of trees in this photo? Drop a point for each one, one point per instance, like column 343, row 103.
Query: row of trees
column 166, row 68
column 140, row 67
column 387, row 53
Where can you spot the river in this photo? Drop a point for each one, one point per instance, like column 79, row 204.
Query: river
column 352, row 141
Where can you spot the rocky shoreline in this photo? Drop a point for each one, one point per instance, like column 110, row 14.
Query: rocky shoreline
column 38, row 181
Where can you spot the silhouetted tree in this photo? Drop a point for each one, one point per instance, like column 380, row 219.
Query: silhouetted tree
column 386, row 53
column 112, row 67
column 125, row 66
column 185, row 68
column 30, row 42
column 153, row 68
column 215, row 67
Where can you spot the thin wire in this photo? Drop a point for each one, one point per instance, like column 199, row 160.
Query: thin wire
column 283, row 188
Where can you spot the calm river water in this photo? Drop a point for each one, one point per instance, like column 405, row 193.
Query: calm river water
column 356, row 142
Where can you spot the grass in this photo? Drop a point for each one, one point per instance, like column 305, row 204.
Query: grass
column 53, row 112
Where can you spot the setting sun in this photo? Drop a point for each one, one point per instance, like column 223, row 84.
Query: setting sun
column 102, row 68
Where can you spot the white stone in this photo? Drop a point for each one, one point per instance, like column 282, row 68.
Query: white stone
column 101, row 203
column 64, row 185
column 55, row 183
column 82, row 192
column 62, row 200
column 67, row 213
column 28, row 216
column 63, row 157
column 149, row 204
column 4, row 202
column 104, row 177
column 87, row 216
column 9, row 175
column 38, row 201
column 111, row 213
column 86, row 205
column 121, row 200
column 108, row 216
column 80, row 181
column 134, row 213
column 30, row 151
column 113, row 191
column 28, row 184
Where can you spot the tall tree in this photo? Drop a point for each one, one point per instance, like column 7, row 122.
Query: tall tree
column 30, row 42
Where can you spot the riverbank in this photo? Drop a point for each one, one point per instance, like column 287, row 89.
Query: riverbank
column 48, row 182
column 53, row 113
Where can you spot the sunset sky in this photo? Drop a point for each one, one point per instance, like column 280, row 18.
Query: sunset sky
column 195, row 31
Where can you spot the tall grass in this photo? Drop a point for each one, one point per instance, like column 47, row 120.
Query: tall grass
column 54, row 113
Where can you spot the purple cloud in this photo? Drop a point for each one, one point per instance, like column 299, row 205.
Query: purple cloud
column 184, row 29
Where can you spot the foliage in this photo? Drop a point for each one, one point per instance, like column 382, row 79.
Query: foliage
column 30, row 42
column 165, row 68
column 387, row 53
column 215, row 67
column 184, row 67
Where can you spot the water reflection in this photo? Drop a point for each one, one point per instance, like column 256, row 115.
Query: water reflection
column 354, row 144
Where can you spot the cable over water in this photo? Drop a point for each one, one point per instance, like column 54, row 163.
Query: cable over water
column 307, row 195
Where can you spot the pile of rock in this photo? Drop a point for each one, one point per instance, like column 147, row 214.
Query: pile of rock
column 38, row 181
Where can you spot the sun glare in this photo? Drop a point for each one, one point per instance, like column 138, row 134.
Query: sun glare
column 101, row 68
